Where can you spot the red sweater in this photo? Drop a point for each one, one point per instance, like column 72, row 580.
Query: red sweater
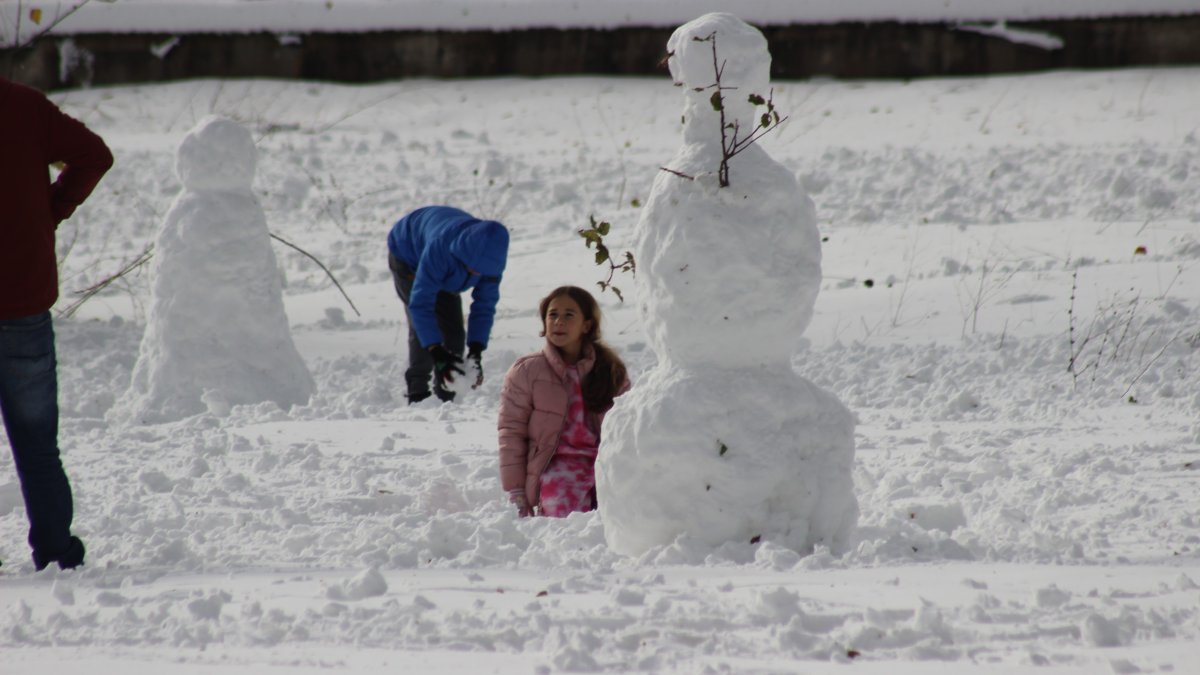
column 34, row 133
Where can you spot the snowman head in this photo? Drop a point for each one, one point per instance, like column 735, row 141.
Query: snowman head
column 741, row 56
column 218, row 154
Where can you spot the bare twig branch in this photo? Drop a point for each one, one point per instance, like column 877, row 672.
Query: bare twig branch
column 147, row 253
column 757, row 134
column 1133, row 305
column 731, row 143
column 983, row 125
column 322, row 266
column 620, row 153
column 677, row 173
column 352, row 113
column 1147, row 367
column 91, row 291
column 1071, row 327
column 912, row 254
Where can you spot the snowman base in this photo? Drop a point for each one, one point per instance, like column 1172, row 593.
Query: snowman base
column 727, row 455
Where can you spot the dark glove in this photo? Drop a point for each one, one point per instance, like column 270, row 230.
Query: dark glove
column 445, row 364
column 475, row 353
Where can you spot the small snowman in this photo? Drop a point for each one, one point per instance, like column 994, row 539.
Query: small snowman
column 216, row 333
column 723, row 441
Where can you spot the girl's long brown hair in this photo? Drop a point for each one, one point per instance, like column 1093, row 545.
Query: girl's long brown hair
column 608, row 374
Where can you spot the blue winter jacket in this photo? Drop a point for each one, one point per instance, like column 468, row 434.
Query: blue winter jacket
column 440, row 243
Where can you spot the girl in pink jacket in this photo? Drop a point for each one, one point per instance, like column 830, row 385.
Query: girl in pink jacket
column 551, row 407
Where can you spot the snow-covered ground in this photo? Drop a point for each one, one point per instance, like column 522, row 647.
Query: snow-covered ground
column 978, row 233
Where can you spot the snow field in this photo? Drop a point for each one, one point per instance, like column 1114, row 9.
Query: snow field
column 1013, row 518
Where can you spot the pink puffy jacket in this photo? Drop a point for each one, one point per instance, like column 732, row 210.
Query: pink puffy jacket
column 533, row 410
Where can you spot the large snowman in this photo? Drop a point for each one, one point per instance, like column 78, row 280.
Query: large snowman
column 723, row 441
column 216, row 333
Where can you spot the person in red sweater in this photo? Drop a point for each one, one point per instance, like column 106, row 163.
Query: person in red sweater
column 34, row 134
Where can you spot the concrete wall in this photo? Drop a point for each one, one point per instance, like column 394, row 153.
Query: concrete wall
column 850, row 50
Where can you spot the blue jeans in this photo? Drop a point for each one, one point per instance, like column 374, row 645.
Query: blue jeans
column 29, row 403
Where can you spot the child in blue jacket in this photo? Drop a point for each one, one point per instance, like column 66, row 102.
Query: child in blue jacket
column 435, row 253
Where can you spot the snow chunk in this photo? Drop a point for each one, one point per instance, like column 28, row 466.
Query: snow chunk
column 155, row 481
column 934, row 515
column 366, row 584
column 10, row 498
column 629, row 597
column 1123, row 667
column 1051, row 596
column 1101, row 632
column 208, row 607
column 63, row 592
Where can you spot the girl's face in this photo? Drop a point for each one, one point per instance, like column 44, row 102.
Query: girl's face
column 565, row 325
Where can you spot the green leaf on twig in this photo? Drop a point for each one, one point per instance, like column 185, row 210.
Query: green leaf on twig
column 594, row 234
column 590, row 237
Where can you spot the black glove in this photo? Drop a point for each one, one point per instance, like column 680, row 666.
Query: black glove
column 445, row 364
column 475, row 353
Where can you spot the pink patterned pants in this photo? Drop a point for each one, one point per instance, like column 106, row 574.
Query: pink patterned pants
column 569, row 482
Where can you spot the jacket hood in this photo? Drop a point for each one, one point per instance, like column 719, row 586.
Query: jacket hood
column 482, row 246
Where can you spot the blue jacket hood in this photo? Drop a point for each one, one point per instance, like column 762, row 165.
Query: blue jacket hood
column 439, row 243
column 482, row 246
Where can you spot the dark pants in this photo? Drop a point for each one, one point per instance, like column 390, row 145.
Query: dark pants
column 448, row 312
column 29, row 403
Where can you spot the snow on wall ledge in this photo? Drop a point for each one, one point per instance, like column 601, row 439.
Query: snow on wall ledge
column 247, row 16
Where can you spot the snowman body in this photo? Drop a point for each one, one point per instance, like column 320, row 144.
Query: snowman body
column 217, row 334
column 723, row 441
